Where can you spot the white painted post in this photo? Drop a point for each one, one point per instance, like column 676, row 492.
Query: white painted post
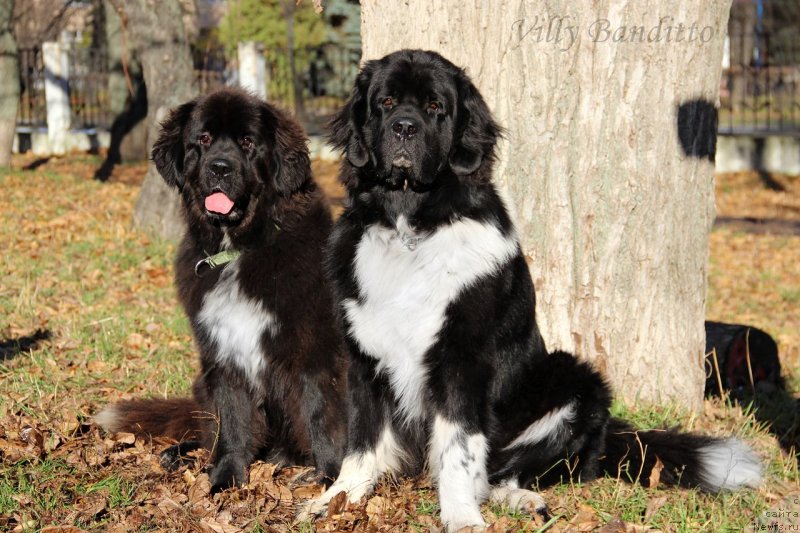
column 726, row 53
column 56, row 91
column 252, row 69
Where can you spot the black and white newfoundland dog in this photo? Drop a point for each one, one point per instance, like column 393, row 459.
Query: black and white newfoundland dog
column 249, row 276
column 447, row 366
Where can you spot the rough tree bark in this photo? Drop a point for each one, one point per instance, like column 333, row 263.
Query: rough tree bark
column 156, row 31
column 608, row 162
column 9, row 82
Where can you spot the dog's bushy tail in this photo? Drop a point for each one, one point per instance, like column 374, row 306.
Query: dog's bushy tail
column 181, row 418
column 675, row 458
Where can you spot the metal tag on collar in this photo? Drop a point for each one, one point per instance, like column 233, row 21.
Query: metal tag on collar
column 215, row 261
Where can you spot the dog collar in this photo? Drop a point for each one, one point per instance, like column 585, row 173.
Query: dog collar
column 215, row 261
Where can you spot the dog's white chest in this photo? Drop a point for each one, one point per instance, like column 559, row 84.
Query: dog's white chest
column 406, row 283
column 235, row 324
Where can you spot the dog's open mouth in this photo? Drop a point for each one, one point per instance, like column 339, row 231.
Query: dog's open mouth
column 218, row 203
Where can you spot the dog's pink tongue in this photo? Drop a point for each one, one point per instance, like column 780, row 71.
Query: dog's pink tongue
column 219, row 203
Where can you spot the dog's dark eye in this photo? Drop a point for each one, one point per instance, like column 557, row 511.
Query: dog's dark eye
column 388, row 102
column 204, row 139
column 434, row 106
column 247, row 143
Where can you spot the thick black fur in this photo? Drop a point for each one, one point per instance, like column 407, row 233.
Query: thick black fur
column 293, row 409
column 420, row 144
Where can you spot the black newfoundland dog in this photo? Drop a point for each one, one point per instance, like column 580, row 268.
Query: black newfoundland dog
column 447, row 365
column 249, row 275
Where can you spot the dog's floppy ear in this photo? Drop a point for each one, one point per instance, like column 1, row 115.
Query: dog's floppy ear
column 289, row 164
column 168, row 153
column 346, row 128
column 476, row 132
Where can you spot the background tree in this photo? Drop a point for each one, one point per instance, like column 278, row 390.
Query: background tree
column 608, row 161
column 40, row 21
column 282, row 26
column 127, row 94
column 157, row 33
column 9, row 81
column 264, row 21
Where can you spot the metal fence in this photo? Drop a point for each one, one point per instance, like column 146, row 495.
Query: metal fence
column 211, row 69
column 32, row 110
column 88, row 88
column 760, row 88
column 323, row 77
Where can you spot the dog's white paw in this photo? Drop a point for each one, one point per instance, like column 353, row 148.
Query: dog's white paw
column 311, row 510
column 346, row 489
column 521, row 500
column 462, row 517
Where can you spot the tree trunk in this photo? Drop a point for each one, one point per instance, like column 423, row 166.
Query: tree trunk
column 9, row 82
column 608, row 163
column 288, row 8
column 156, row 31
column 126, row 94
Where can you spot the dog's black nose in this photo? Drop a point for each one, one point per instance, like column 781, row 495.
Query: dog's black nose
column 220, row 167
column 405, row 127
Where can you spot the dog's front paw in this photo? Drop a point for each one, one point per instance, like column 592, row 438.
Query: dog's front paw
column 176, row 455
column 521, row 500
column 227, row 473
column 465, row 519
column 313, row 509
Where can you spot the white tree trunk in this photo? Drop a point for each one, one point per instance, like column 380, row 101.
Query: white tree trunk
column 613, row 211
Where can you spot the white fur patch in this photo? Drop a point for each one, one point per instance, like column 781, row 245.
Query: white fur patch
column 235, row 323
column 406, row 282
column 550, row 427
column 359, row 474
column 729, row 464
column 108, row 418
column 516, row 499
column 458, row 466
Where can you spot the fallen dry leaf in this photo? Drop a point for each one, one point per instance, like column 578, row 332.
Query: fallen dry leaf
column 260, row 472
column 655, row 473
column 337, row 503
column 653, row 506
column 585, row 520
column 34, row 438
column 376, row 507
column 200, row 489
column 615, row 525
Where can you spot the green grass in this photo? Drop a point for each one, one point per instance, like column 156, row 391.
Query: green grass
column 428, row 504
column 117, row 491
column 649, row 418
column 790, row 295
column 38, row 486
column 680, row 511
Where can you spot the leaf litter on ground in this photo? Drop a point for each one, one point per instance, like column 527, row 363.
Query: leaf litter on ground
column 75, row 268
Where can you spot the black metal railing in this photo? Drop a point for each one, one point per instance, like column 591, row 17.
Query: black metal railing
column 32, row 111
column 212, row 69
column 323, row 77
column 760, row 88
column 88, row 88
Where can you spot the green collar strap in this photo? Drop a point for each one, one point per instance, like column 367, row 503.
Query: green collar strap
column 215, row 261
